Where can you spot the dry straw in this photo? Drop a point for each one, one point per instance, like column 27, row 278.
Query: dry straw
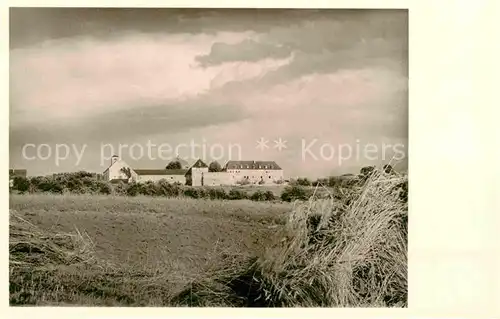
column 335, row 253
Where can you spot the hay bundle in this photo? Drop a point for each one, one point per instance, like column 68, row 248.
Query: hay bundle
column 347, row 253
column 30, row 247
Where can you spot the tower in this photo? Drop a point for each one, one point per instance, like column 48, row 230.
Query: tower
column 198, row 171
column 114, row 159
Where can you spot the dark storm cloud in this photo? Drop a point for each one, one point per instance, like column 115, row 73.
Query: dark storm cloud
column 248, row 50
column 33, row 25
column 326, row 45
column 128, row 124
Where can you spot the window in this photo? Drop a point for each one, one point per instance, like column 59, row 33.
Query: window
column 248, row 166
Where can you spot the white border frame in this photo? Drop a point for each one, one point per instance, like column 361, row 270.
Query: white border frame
column 453, row 269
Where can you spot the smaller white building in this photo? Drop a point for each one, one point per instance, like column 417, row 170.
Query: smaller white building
column 119, row 170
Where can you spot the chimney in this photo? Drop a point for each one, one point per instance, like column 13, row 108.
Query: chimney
column 114, row 158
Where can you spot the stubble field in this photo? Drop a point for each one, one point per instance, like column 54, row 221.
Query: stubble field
column 183, row 238
column 347, row 251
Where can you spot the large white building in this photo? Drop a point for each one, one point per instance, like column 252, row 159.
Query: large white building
column 253, row 172
column 197, row 174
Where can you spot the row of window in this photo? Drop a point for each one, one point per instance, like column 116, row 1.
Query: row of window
column 248, row 177
column 248, row 166
column 238, row 171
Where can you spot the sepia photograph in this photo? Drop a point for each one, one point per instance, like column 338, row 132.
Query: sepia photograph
column 208, row 157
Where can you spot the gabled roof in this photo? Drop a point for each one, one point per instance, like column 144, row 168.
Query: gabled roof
column 198, row 164
column 160, row 171
column 118, row 160
column 270, row 165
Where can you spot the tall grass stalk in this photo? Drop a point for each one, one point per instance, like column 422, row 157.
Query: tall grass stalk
column 347, row 253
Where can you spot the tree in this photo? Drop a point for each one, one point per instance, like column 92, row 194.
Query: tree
column 174, row 165
column 126, row 171
column 214, row 167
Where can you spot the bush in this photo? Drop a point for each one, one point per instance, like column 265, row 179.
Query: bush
column 194, row 192
column 303, row 182
column 76, row 183
column 263, row 196
column 133, row 189
column 164, row 188
column 292, row 193
column 217, row 193
column 21, row 184
column 235, row 194
column 119, row 189
column 105, row 189
column 50, row 185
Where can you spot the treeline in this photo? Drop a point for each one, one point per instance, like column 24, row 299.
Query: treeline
column 346, row 180
column 90, row 183
column 300, row 187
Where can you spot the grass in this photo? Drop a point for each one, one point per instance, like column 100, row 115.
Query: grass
column 119, row 251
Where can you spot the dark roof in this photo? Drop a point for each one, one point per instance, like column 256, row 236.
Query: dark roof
column 160, row 171
column 199, row 164
column 18, row 172
column 119, row 180
column 271, row 165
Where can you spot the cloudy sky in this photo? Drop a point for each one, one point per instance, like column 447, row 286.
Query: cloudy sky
column 316, row 79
